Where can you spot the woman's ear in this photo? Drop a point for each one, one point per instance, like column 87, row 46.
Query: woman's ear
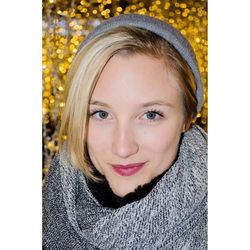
column 184, row 126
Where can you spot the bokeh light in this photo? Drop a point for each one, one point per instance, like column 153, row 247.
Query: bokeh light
column 66, row 23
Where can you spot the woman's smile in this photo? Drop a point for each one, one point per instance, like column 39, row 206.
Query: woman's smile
column 129, row 169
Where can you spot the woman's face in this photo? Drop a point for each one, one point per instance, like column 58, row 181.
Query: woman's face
column 135, row 123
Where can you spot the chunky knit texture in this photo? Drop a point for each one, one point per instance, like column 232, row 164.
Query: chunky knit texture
column 172, row 216
column 106, row 197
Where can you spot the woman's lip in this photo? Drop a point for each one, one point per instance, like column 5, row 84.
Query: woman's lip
column 127, row 170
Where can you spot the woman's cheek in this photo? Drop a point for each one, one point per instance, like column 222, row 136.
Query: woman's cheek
column 151, row 138
column 99, row 136
column 158, row 139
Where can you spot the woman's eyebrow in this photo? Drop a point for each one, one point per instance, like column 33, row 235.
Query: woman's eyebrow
column 144, row 105
column 93, row 102
column 157, row 102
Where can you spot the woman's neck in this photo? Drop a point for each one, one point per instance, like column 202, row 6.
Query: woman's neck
column 105, row 196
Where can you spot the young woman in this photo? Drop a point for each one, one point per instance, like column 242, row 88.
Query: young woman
column 132, row 173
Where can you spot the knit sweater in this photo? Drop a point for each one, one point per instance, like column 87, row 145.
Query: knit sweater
column 173, row 215
column 107, row 198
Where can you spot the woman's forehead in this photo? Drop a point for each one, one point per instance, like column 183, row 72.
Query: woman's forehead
column 137, row 78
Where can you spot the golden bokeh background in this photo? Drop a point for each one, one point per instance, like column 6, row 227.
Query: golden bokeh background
column 66, row 23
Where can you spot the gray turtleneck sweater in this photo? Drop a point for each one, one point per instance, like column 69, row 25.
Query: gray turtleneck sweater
column 173, row 215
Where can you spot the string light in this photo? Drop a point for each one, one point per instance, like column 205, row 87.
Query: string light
column 67, row 23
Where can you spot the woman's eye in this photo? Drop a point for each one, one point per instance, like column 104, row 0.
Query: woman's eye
column 100, row 115
column 152, row 115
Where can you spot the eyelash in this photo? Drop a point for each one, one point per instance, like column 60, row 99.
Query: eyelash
column 157, row 112
column 95, row 111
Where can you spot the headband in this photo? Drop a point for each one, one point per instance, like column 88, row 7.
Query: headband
column 162, row 29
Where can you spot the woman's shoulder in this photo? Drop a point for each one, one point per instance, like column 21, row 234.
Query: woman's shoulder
column 196, row 132
column 60, row 170
column 54, row 168
column 196, row 129
column 196, row 140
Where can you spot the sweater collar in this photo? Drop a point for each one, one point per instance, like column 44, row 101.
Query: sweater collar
column 164, row 216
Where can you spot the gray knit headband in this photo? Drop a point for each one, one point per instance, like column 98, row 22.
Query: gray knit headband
column 161, row 28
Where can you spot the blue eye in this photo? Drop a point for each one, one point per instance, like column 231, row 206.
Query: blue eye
column 100, row 114
column 103, row 114
column 153, row 115
column 149, row 115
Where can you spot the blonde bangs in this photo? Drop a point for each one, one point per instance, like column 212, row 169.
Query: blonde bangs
column 81, row 80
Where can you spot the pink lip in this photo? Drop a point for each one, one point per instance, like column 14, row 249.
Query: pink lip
column 128, row 170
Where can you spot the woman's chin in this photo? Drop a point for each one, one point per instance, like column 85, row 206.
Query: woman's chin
column 122, row 193
column 123, row 188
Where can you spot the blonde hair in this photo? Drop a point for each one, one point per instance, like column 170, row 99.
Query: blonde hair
column 85, row 72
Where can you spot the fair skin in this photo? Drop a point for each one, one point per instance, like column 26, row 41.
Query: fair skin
column 135, row 117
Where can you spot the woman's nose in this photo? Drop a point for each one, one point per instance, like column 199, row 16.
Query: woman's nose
column 124, row 143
